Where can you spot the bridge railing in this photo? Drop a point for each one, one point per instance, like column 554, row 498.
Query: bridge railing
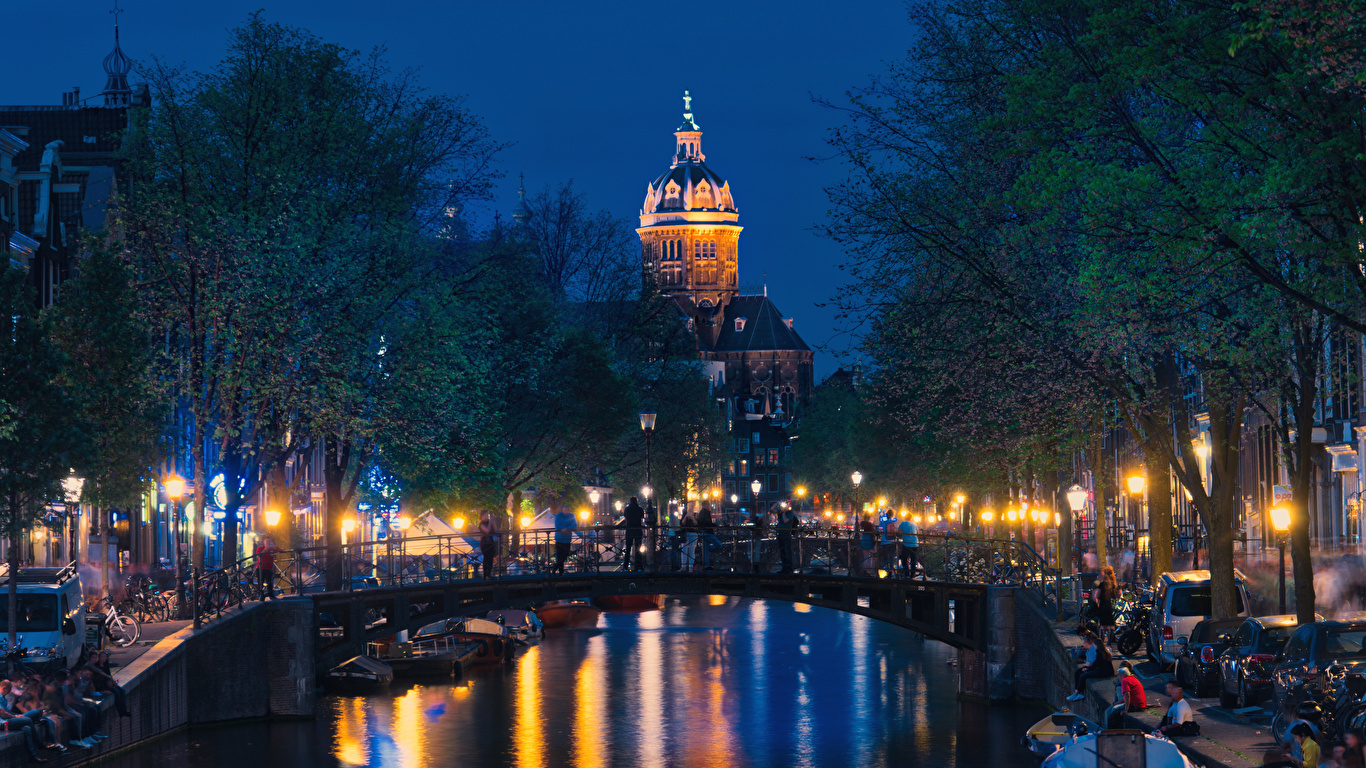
column 740, row 549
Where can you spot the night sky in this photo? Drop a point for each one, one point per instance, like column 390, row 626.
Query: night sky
column 583, row 91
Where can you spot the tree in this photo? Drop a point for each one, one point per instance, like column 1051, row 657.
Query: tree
column 110, row 375
column 36, row 455
column 273, row 194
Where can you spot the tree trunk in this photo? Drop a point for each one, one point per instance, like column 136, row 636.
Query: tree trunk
column 106, row 576
column 1050, row 495
column 515, row 523
column 1096, row 460
column 1159, row 514
column 198, row 542
column 14, row 577
column 336, row 457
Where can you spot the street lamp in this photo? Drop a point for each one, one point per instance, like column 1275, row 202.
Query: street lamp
column 756, row 487
column 857, row 477
column 1136, row 484
column 175, row 488
column 1076, row 498
column 584, row 514
column 1280, row 520
column 272, row 517
column 647, row 425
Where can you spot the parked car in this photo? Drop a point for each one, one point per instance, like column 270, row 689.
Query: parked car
column 1197, row 666
column 51, row 614
column 1314, row 648
column 1246, row 663
column 1183, row 600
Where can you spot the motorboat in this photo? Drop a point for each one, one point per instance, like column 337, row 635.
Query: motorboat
column 496, row 640
column 437, row 656
column 629, row 602
column 568, row 613
column 358, row 674
column 523, row 625
column 1046, row 736
column 1118, row 747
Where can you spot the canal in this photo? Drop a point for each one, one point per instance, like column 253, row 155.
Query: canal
column 705, row 681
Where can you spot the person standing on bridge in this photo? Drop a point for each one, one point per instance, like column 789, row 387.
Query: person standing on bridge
column 756, row 553
column 565, row 523
column 787, row 528
column 488, row 541
column 867, row 546
column 265, row 566
column 910, row 547
column 634, row 523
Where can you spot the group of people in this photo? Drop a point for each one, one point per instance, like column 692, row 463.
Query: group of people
column 60, row 708
column 892, row 544
column 1305, row 751
column 1097, row 663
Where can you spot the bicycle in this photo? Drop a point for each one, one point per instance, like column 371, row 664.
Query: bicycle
column 121, row 629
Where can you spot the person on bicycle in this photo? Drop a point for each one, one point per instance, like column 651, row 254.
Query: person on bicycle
column 265, row 566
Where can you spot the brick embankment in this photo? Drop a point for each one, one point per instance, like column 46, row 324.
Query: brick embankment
column 256, row 662
column 1227, row 739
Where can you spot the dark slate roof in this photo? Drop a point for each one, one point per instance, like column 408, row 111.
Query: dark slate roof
column 73, row 126
column 764, row 328
column 696, row 171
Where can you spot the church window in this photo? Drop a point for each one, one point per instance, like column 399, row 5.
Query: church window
column 739, row 324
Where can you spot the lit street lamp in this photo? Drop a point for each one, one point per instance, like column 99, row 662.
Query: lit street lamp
column 647, row 425
column 1280, row 520
column 756, row 487
column 175, row 488
column 857, row 477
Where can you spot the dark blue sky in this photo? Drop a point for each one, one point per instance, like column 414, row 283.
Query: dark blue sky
column 588, row 91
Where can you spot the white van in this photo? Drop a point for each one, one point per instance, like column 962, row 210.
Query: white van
column 1183, row 600
column 51, row 615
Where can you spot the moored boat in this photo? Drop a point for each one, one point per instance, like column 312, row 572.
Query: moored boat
column 569, row 613
column 1118, row 747
column 359, row 673
column 629, row 602
column 523, row 625
column 1044, row 737
column 495, row 640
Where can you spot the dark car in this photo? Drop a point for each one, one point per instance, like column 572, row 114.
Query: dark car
column 1246, row 663
column 1313, row 648
column 1197, row 663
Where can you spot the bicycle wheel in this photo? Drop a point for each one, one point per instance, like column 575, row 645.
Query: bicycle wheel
column 124, row 631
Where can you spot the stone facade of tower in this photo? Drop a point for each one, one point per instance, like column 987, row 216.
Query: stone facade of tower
column 689, row 227
column 758, row 363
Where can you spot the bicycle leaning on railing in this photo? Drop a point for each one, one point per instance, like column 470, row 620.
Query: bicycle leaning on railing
column 120, row 629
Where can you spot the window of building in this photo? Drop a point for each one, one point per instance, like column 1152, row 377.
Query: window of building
column 755, row 437
column 773, row 457
column 773, row 483
column 758, row 458
column 730, row 489
column 730, row 468
column 744, row 491
column 744, row 469
column 741, row 445
column 739, row 324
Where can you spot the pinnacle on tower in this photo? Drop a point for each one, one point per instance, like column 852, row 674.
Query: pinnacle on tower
column 116, row 68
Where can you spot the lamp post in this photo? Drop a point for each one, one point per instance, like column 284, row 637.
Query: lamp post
column 1076, row 501
column 757, row 487
column 175, row 488
column 1138, row 484
column 857, row 478
column 1280, row 520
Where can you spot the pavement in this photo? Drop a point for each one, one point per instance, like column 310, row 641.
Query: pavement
column 152, row 633
column 1228, row 738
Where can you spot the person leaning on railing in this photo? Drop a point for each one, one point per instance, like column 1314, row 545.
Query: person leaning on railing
column 910, row 547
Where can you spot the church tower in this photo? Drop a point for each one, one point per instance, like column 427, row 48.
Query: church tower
column 689, row 228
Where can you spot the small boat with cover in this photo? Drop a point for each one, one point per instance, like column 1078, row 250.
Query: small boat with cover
column 359, row 673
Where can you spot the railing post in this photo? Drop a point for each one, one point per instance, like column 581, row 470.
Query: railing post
column 194, row 597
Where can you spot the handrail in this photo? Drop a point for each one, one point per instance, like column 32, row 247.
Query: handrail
column 944, row 557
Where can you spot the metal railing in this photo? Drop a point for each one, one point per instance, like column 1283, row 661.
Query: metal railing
column 735, row 549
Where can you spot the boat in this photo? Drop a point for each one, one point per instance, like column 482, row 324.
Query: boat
column 1044, row 737
column 495, row 640
column 359, row 673
column 523, row 625
column 629, row 602
column 1118, row 747
column 569, row 613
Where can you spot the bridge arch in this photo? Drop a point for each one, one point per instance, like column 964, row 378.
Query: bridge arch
column 956, row 614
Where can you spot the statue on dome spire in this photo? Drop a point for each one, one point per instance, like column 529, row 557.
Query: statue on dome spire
column 688, row 124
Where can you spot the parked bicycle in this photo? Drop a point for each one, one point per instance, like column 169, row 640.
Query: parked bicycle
column 121, row 629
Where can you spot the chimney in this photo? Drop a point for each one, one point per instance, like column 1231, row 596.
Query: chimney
column 76, row 96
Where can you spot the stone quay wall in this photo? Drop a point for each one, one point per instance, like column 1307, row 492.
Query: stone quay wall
column 252, row 663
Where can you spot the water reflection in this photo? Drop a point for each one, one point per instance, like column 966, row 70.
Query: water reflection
column 743, row 683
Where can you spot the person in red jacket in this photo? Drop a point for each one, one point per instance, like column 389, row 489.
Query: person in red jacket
column 265, row 566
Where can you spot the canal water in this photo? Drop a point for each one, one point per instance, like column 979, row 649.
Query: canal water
column 704, row 682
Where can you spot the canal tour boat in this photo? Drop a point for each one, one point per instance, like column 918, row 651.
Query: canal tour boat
column 569, row 613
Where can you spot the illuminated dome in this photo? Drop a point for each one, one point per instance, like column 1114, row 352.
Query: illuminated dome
column 688, row 185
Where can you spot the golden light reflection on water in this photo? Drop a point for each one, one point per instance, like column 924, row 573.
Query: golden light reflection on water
column 801, row 608
column 590, row 707
column 528, row 737
column 351, row 745
column 716, row 600
column 650, row 745
column 407, row 730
